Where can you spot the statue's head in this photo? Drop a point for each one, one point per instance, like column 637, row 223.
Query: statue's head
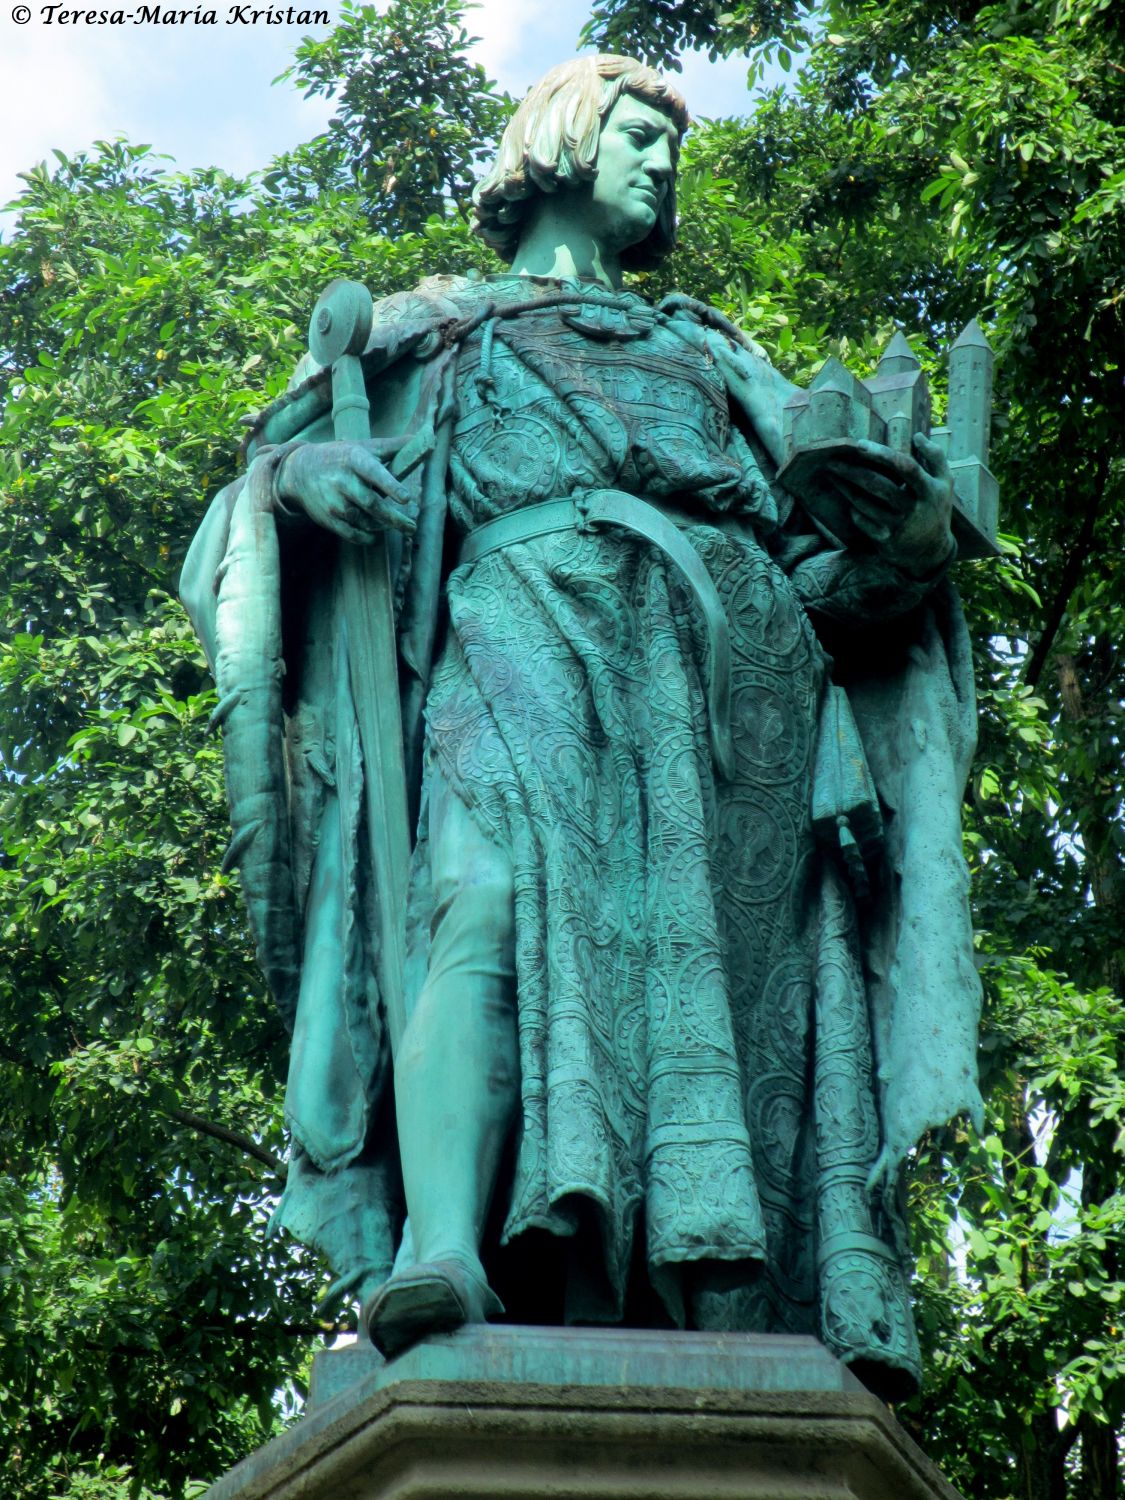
column 551, row 145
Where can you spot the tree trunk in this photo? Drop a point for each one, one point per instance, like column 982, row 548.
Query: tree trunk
column 1100, row 1461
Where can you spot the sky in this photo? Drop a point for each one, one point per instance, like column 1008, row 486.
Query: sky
column 202, row 95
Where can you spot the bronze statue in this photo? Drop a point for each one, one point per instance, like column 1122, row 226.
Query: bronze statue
column 685, row 962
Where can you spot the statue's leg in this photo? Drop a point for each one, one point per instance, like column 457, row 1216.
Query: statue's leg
column 456, row 1082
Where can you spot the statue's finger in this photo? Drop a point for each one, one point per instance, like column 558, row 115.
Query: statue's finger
column 877, row 485
column 861, row 501
column 872, row 518
column 362, row 494
column 358, row 536
column 358, row 525
column 368, row 511
column 382, row 448
column 878, row 531
column 889, row 461
column 931, row 456
column 376, row 475
column 876, row 514
column 356, row 496
column 392, row 517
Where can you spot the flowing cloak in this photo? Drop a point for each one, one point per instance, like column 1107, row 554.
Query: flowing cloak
column 742, row 998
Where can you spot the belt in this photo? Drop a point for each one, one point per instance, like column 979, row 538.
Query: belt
column 599, row 508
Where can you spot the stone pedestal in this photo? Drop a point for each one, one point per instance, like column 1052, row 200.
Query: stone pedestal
column 579, row 1414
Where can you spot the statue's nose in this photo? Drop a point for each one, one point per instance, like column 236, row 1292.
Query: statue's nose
column 658, row 164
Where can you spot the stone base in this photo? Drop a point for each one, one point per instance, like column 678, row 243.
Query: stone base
column 578, row 1414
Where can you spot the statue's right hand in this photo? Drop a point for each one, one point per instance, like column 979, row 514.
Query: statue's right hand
column 345, row 488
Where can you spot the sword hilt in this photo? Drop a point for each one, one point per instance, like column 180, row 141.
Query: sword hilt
column 338, row 332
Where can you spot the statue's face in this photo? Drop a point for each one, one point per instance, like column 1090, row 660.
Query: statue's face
column 637, row 153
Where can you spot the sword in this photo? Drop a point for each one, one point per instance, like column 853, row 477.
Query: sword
column 338, row 334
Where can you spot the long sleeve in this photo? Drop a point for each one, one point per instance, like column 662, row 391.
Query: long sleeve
column 853, row 587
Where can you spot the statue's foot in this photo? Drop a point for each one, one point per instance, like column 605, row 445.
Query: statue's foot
column 434, row 1297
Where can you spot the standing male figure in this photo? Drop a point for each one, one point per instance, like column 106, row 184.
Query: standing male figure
column 655, row 1010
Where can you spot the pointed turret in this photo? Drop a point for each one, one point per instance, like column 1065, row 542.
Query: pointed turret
column 900, row 394
column 898, row 358
column 965, row 437
column 972, row 336
column 969, row 417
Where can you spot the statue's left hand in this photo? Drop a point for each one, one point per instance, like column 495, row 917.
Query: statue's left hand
column 903, row 504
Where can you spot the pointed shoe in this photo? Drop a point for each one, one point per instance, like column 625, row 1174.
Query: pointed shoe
column 434, row 1297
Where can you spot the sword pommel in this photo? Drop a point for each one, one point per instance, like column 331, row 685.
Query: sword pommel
column 341, row 322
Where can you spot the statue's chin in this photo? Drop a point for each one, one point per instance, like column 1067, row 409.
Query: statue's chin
column 637, row 231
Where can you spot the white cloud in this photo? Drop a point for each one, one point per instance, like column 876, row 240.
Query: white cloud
column 519, row 42
column 714, row 89
column 49, row 95
column 200, row 94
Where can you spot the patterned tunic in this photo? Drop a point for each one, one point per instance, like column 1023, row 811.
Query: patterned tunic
column 694, row 1039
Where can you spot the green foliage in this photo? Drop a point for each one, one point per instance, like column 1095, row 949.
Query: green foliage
column 930, row 162
column 767, row 29
column 129, row 1003
column 414, row 118
column 149, row 1329
column 1018, row 1290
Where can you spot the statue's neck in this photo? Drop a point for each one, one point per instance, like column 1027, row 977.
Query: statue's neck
column 555, row 243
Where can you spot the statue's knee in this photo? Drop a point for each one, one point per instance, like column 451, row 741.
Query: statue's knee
column 475, row 907
column 469, row 998
column 489, row 902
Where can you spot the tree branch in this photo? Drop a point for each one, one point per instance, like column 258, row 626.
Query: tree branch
column 1071, row 573
column 230, row 1137
column 183, row 1117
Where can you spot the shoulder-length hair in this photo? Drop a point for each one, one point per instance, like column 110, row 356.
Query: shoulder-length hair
column 552, row 141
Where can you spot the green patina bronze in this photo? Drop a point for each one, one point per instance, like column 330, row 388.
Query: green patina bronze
column 605, row 778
